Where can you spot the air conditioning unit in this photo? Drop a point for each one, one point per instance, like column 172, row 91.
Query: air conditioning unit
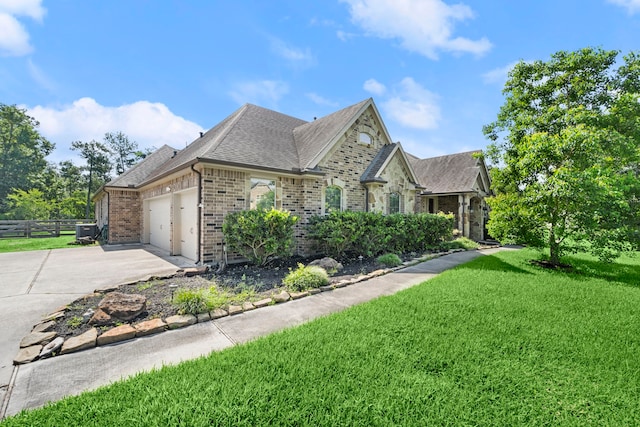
column 86, row 230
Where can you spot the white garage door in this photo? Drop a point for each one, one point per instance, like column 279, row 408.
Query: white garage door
column 160, row 222
column 186, row 224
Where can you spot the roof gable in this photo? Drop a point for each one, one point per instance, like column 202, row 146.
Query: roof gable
column 141, row 171
column 316, row 139
column 454, row 173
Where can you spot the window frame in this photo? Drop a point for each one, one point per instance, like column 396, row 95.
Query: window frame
column 269, row 182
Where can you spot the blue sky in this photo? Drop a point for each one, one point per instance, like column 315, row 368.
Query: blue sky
column 161, row 70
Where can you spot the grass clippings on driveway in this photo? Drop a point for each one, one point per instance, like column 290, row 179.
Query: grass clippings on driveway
column 496, row 341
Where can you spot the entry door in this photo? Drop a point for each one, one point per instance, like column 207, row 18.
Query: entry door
column 160, row 222
column 186, row 213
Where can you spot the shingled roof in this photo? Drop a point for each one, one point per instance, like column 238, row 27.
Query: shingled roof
column 142, row 170
column 261, row 138
column 454, row 173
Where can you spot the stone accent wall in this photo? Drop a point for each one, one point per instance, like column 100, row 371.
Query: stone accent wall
column 395, row 174
column 125, row 216
column 349, row 158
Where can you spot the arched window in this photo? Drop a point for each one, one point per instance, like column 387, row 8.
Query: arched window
column 394, row 203
column 364, row 138
column 333, row 199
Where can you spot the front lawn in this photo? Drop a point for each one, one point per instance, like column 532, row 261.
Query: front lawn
column 36, row 244
column 496, row 341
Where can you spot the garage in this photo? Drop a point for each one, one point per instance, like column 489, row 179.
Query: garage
column 159, row 215
column 186, row 224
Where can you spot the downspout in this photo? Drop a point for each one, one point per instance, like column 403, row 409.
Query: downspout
column 199, row 260
column 108, row 215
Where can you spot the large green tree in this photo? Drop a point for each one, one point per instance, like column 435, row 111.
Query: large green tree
column 97, row 169
column 566, row 152
column 22, row 152
column 124, row 152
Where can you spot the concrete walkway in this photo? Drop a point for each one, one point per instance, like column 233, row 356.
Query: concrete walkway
column 37, row 383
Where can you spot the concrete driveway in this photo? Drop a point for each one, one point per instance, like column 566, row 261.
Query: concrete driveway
column 33, row 284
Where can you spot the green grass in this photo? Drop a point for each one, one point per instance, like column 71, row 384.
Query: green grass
column 496, row 341
column 36, row 244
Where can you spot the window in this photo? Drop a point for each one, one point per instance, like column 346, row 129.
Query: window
column 394, row 203
column 364, row 138
column 263, row 194
column 333, row 199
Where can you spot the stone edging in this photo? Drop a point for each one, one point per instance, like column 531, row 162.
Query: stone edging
column 41, row 343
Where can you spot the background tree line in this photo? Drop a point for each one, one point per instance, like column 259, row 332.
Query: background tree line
column 33, row 188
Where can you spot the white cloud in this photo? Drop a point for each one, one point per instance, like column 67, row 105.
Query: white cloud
column 319, row 100
column 149, row 124
column 295, row 55
column 423, row 26
column 632, row 6
column 39, row 76
column 344, row 36
column 375, row 87
column 413, row 106
column 259, row 92
column 501, row 74
column 14, row 39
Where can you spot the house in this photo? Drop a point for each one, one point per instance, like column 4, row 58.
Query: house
column 456, row 183
column 177, row 199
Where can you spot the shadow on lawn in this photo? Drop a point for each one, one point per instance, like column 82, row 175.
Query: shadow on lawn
column 493, row 263
column 619, row 272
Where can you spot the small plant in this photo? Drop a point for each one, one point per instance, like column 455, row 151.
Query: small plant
column 461, row 243
column 192, row 301
column 303, row 278
column 146, row 285
column 74, row 322
column 389, row 260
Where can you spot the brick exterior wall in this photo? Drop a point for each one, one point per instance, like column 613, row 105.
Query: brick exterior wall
column 125, row 221
column 224, row 191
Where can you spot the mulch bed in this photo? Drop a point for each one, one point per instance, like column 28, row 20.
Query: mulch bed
column 235, row 278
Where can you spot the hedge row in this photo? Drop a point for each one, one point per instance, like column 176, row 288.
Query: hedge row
column 370, row 234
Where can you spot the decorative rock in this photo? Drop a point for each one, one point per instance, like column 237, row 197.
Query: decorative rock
column 218, row 313
column 341, row 284
column 281, row 297
column 298, row 295
column 54, row 345
column 326, row 288
column 53, row 316
column 150, row 327
column 262, row 303
column 203, row 317
column 87, row 315
column 117, row 334
column 329, row 264
column 44, row 327
column 180, row 321
column 360, row 279
column 27, row 354
column 376, row 273
column 195, row 271
column 314, row 291
column 235, row 309
column 248, row 306
column 34, row 338
column 123, row 306
column 100, row 318
column 81, row 342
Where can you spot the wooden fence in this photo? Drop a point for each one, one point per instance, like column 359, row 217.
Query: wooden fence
column 36, row 228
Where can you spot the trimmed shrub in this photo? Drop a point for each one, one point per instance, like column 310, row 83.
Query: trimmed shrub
column 303, row 278
column 371, row 233
column 389, row 260
column 260, row 235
